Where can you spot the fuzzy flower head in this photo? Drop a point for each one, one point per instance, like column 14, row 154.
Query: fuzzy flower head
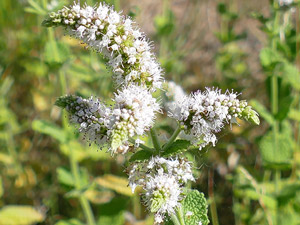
column 133, row 114
column 117, row 38
column 90, row 114
column 203, row 114
column 162, row 180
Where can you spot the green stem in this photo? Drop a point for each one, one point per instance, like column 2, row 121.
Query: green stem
column 212, row 206
column 11, row 147
column 180, row 215
column 155, row 140
column 173, row 137
column 87, row 210
column 144, row 147
column 175, row 219
column 274, row 96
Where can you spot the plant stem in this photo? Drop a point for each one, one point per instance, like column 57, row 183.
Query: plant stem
column 155, row 140
column 175, row 219
column 172, row 138
column 213, row 207
column 274, row 95
column 144, row 147
column 83, row 201
column 179, row 213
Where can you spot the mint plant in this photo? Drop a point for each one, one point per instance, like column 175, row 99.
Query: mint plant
column 161, row 170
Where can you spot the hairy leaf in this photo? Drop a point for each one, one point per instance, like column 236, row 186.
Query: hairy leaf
column 195, row 209
column 177, row 147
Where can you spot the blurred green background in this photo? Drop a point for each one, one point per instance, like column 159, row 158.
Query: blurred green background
column 250, row 177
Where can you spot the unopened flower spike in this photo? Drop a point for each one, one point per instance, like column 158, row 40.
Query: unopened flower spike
column 90, row 114
column 202, row 114
column 116, row 37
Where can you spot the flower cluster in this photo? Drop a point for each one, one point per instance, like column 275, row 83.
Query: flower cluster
column 162, row 180
column 202, row 114
column 133, row 114
column 137, row 75
column 91, row 115
column 116, row 37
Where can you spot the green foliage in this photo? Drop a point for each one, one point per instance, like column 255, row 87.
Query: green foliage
column 195, row 203
column 115, row 216
column 50, row 129
column 17, row 214
column 141, row 155
column 276, row 150
column 179, row 146
column 35, row 154
column 69, row 222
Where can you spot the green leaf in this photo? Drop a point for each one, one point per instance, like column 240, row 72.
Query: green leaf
column 35, row 8
column 56, row 52
column 291, row 74
column 262, row 111
column 294, row 114
column 251, row 193
column 141, row 156
column 113, row 212
column 65, row 177
column 20, row 215
column 288, row 192
column 118, row 184
column 69, row 222
column 277, row 150
column 195, row 208
column 51, row 129
column 269, row 57
column 177, row 147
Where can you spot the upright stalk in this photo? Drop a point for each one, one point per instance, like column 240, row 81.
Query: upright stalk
column 83, row 201
column 274, row 98
column 172, row 138
column 178, row 218
column 213, row 206
column 155, row 140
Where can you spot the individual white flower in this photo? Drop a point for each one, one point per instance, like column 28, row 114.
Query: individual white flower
column 116, row 36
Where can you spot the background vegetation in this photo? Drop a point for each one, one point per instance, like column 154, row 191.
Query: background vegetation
column 49, row 176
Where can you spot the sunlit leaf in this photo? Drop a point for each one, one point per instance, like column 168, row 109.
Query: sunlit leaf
column 51, row 129
column 20, row 215
column 118, row 184
column 65, row 177
column 69, row 222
